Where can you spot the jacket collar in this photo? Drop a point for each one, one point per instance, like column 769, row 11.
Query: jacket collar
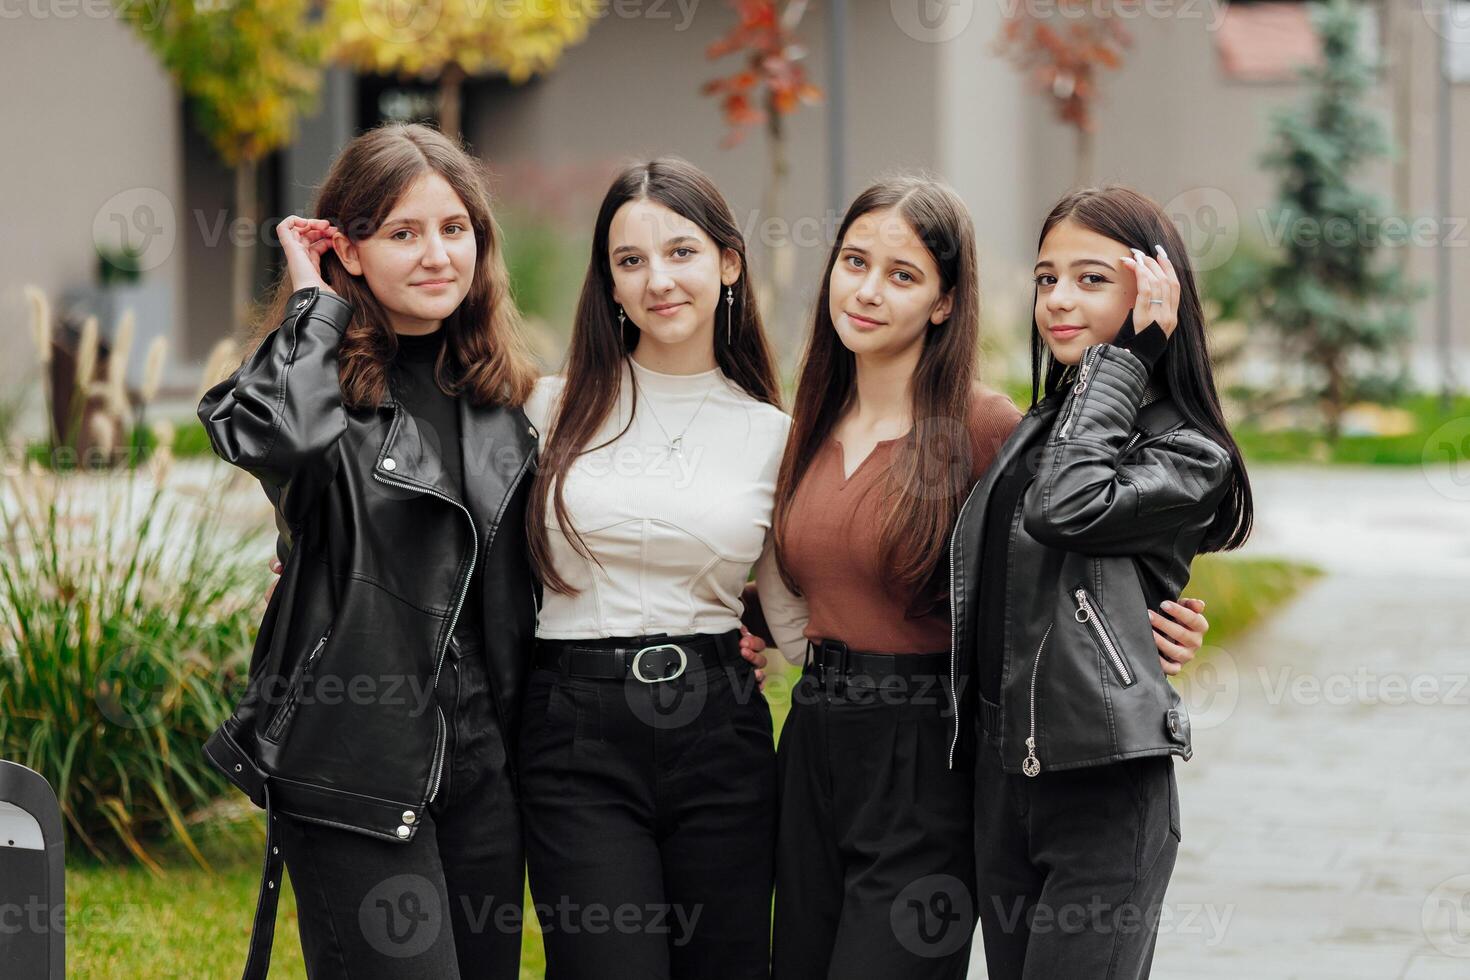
column 1158, row 416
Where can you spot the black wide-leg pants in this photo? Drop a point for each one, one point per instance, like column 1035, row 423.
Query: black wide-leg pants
column 875, row 872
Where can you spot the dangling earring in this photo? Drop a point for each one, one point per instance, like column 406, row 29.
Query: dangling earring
column 729, row 313
column 621, row 319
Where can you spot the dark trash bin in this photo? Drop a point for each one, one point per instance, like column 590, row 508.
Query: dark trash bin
column 32, row 878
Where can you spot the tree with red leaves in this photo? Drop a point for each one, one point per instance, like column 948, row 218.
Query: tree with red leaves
column 771, row 85
column 1064, row 51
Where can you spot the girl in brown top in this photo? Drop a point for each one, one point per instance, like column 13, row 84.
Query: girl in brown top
column 889, row 433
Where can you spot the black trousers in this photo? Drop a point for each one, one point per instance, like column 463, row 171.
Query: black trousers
column 650, row 822
column 1073, row 865
column 449, row 904
column 875, row 865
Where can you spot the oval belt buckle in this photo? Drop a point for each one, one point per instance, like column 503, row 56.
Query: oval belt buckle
column 638, row 663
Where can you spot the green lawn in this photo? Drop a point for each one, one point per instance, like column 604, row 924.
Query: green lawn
column 125, row 922
column 1436, row 437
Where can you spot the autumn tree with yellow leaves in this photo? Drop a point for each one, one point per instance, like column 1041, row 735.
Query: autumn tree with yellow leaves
column 446, row 41
column 248, row 69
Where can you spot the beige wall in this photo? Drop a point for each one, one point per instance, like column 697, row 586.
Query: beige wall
column 986, row 154
column 87, row 115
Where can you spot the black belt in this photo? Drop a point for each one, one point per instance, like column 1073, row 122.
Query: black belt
column 834, row 660
column 650, row 659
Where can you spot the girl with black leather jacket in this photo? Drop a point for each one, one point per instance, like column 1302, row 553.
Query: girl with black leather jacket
column 1089, row 519
column 382, row 416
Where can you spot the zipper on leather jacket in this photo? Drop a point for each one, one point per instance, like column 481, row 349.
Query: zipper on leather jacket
column 954, row 628
column 438, row 763
column 1031, row 765
column 440, row 746
column 489, row 543
column 1087, row 613
column 1088, row 360
column 288, row 708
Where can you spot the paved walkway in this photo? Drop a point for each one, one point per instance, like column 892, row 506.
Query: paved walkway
column 1326, row 813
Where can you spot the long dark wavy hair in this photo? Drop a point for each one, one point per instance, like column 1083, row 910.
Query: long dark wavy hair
column 1126, row 216
column 485, row 355
column 914, row 531
column 599, row 347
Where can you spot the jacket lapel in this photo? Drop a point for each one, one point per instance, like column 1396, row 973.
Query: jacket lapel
column 497, row 442
column 409, row 457
column 494, row 441
column 970, row 525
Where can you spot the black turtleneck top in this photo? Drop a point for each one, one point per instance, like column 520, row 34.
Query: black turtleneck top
column 437, row 415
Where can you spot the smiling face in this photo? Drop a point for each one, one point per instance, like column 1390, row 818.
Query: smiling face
column 884, row 290
column 420, row 262
column 668, row 275
column 1083, row 293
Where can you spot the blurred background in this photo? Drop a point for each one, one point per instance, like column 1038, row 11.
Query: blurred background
column 1311, row 152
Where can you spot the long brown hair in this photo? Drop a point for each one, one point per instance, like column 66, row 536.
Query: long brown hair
column 485, row 354
column 599, row 348
column 919, row 510
column 1126, row 216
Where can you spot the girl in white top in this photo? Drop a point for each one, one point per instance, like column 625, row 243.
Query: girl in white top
column 671, row 534
column 648, row 773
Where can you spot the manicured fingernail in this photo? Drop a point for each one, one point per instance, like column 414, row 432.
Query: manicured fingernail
column 1168, row 604
column 1152, row 614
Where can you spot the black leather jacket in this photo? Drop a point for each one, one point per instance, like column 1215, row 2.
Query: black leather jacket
column 1122, row 498
column 338, row 724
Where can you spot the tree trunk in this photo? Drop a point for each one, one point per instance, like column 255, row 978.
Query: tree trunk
column 1336, row 396
column 451, row 97
column 242, row 275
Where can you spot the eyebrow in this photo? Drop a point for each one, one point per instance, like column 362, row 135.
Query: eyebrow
column 864, row 253
column 671, row 243
column 1049, row 264
column 462, row 217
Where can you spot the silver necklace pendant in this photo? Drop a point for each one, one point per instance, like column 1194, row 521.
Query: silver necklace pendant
column 676, row 447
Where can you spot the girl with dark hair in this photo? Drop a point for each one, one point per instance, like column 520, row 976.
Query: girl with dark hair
column 648, row 770
column 1122, row 471
column 381, row 415
column 890, row 431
